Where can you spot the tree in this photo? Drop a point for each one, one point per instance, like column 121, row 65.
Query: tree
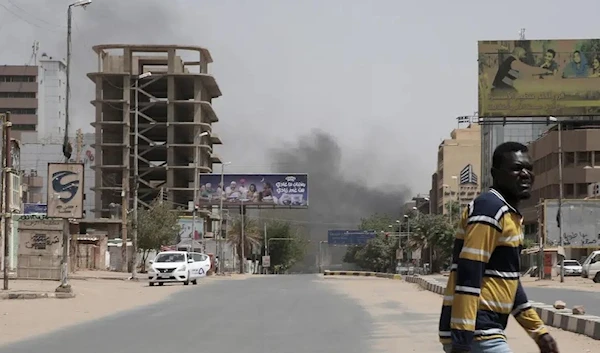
column 377, row 222
column 379, row 254
column 285, row 253
column 252, row 237
column 157, row 226
column 435, row 232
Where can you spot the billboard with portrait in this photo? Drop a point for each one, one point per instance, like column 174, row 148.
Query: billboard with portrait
column 257, row 190
column 539, row 78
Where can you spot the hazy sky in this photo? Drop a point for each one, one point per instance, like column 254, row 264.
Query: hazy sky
column 386, row 78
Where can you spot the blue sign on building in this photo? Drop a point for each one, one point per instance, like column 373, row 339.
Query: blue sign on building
column 349, row 237
column 35, row 208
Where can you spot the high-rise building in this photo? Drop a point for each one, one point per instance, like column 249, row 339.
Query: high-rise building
column 172, row 102
column 458, row 169
column 581, row 167
column 35, row 96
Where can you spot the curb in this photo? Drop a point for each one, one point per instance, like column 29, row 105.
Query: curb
column 587, row 325
column 32, row 295
column 362, row 274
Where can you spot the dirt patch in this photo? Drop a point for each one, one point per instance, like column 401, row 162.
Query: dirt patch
column 407, row 316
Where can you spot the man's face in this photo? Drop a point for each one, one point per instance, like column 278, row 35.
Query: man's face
column 576, row 58
column 548, row 57
column 515, row 177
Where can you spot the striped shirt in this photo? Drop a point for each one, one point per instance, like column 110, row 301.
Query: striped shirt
column 484, row 287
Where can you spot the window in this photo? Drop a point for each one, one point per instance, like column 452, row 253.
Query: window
column 569, row 190
column 582, row 190
column 596, row 158
column 19, row 111
column 584, row 158
column 17, row 79
column 198, row 257
column 24, row 127
column 569, row 159
column 17, row 94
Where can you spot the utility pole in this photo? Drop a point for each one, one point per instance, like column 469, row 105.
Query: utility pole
column 7, row 194
column 266, row 247
column 561, row 248
column 242, row 238
column 221, row 196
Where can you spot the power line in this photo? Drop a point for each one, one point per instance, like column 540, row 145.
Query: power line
column 24, row 19
column 33, row 16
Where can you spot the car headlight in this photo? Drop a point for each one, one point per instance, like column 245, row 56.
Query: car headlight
column 182, row 268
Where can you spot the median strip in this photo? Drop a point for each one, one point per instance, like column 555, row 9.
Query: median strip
column 362, row 274
column 560, row 318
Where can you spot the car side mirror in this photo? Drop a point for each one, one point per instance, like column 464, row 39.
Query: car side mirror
column 151, row 262
column 190, row 261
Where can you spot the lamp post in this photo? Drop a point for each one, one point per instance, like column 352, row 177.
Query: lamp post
column 221, row 196
column 560, row 199
column 136, row 172
column 83, row 4
column 195, row 209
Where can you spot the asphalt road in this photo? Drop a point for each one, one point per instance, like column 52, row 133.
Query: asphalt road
column 283, row 314
column 589, row 300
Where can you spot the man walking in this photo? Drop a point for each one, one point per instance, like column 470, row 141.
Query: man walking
column 484, row 286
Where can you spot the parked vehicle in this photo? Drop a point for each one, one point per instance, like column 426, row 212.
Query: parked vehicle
column 178, row 266
column 572, row 268
column 591, row 267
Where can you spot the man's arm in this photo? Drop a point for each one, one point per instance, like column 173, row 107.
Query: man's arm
column 480, row 241
column 527, row 316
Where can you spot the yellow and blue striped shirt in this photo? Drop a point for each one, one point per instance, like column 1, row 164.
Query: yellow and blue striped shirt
column 484, row 287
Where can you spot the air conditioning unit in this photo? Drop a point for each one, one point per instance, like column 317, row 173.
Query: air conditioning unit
column 594, row 190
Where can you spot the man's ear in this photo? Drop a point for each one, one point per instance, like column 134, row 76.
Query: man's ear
column 493, row 171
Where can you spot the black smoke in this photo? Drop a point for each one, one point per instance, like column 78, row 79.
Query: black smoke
column 336, row 199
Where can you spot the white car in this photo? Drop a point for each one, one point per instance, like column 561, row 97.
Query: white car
column 572, row 268
column 178, row 266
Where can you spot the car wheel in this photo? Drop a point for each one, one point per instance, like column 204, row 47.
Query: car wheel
column 186, row 282
column 161, row 284
column 194, row 282
column 597, row 278
column 151, row 284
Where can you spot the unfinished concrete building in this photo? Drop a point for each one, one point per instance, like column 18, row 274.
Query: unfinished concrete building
column 170, row 98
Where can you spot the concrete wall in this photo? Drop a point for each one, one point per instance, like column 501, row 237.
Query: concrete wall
column 40, row 249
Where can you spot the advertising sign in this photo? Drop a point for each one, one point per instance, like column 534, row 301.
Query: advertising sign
column 580, row 223
column 65, row 190
column 539, row 78
column 266, row 261
column 259, row 190
column 187, row 225
column 350, row 237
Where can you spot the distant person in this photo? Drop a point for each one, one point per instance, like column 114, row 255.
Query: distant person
column 242, row 189
column 595, row 70
column 549, row 63
column 484, row 287
column 512, row 69
column 577, row 67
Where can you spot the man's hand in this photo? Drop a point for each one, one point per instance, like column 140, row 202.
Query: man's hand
column 547, row 344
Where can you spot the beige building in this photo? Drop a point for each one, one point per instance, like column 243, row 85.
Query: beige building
column 458, row 173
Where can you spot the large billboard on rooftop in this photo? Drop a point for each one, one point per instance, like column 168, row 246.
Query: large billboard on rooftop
column 257, row 190
column 539, row 78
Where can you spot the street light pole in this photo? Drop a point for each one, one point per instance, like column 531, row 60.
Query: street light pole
column 136, row 173
column 560, row 199
column 195, row 208
column 221, row 196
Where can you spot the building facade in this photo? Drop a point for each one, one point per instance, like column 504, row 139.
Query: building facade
column 458, row 169
column 19, row 95
column 581, row 167
column 172, row 103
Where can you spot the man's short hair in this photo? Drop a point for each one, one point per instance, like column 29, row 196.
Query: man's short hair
column 504, row 148
column 551, row 51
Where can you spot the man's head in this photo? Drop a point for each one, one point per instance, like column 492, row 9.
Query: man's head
column 519, row 53
column 577, row 56
column 550, row 55
column 512, row 171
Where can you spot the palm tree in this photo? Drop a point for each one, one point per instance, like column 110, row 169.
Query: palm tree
column 252, row 236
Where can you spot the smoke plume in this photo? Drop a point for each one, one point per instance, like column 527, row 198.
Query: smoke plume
column 337, row 200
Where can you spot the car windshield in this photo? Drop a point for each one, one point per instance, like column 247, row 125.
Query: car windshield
column 170, row 258
column 571, row 263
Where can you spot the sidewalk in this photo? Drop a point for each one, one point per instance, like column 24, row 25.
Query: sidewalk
column 406, row 316
column 105, row 275
column 24, row 289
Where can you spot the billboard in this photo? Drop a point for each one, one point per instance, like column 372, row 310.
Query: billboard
column 350, row 237
column 35, row 208
column 539, row 78
column 580, row 223
column 65, row 190
column 187, row 230
column 259, row 190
